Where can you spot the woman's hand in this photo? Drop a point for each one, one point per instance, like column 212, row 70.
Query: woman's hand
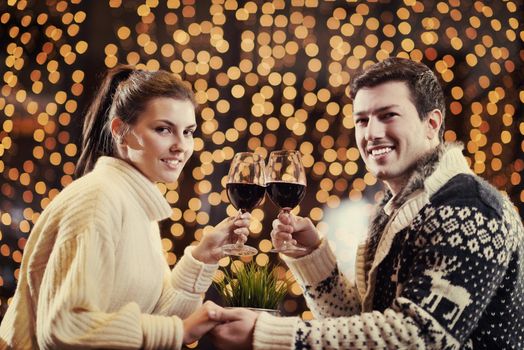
column 209, row 250
column 236, row 330
column 200, row 322
column 296, row 230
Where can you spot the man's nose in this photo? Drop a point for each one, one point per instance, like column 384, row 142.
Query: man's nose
column 374, row 129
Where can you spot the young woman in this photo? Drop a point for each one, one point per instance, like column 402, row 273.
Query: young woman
column 93, row 273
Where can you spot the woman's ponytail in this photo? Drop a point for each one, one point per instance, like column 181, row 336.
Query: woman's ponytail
column 96, row 135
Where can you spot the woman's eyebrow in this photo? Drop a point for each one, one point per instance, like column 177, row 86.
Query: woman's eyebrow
column 170, row 123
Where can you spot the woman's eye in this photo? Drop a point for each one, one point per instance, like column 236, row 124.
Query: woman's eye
column 189, row 132
column 162, row 130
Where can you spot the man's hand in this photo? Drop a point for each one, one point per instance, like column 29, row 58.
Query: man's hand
column 297, row 230
column 236, row 331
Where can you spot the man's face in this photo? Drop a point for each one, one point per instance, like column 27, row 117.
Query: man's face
column 389, row 133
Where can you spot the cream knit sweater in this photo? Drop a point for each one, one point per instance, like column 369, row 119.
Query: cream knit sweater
column 93, row 274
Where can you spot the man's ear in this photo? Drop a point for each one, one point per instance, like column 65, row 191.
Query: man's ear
column 434, row 123
column 117, row 130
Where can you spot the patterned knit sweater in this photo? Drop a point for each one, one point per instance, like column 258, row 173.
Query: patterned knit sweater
column 442, row 268
column 93, row 273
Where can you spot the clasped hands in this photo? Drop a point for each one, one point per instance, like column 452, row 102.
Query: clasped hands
column 233, row 328
column 228, row 328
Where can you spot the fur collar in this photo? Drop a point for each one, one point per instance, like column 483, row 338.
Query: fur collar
column 423, row 168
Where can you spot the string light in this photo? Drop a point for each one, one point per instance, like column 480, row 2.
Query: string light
column 267, row 75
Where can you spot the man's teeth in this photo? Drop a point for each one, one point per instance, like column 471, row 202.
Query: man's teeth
column 171, row 161
column 380, row 151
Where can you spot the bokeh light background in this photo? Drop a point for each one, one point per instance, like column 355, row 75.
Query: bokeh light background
column 267, row 75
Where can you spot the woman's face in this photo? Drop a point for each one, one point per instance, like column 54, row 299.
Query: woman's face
column 161, row 141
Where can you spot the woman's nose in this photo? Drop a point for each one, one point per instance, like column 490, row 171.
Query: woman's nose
column 178, row 143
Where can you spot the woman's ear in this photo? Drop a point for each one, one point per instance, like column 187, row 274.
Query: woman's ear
column 434, row 123
column 117, row 130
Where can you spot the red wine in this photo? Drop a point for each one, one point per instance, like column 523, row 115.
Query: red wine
column 245, row 196
column 286, row 194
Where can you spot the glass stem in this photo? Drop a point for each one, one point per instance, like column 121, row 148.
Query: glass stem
column 238, row 243
column 286, row 244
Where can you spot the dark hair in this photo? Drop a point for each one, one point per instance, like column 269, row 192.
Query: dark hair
column 425, row 89
column 124, row 92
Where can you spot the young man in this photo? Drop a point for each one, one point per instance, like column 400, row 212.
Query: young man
column 442, row 267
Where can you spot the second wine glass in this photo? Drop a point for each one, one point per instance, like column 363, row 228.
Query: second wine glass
column 286, row 186
column 245, row 189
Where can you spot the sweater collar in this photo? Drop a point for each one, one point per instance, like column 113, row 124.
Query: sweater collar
column 451, row 163
column 397, row 212
column 146, row 193
column 430, row 174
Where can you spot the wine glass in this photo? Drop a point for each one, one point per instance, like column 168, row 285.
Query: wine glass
column 286, row 186
column 245, row 189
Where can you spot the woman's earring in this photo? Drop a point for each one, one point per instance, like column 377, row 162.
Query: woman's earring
column 120, row 140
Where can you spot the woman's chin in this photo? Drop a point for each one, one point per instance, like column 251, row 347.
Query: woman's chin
column 169, row 179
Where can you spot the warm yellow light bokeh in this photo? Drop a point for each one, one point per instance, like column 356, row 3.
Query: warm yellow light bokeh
column 266, row 75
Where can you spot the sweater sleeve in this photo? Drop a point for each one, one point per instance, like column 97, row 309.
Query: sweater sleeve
column 185, row 286
column 461, row 254
column 74, row 294
column 327, row 291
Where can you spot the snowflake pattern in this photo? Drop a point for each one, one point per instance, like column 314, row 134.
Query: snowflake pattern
column 455, row 240
column 468, row 227
column 301, row 338
column 467, row 251
column 446, row 225
column 326, row 286
column 464, row 213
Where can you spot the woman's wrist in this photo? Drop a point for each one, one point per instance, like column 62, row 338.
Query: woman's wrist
column 205, row 255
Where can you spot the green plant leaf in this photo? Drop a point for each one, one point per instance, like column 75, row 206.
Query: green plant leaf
column 252, row 286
